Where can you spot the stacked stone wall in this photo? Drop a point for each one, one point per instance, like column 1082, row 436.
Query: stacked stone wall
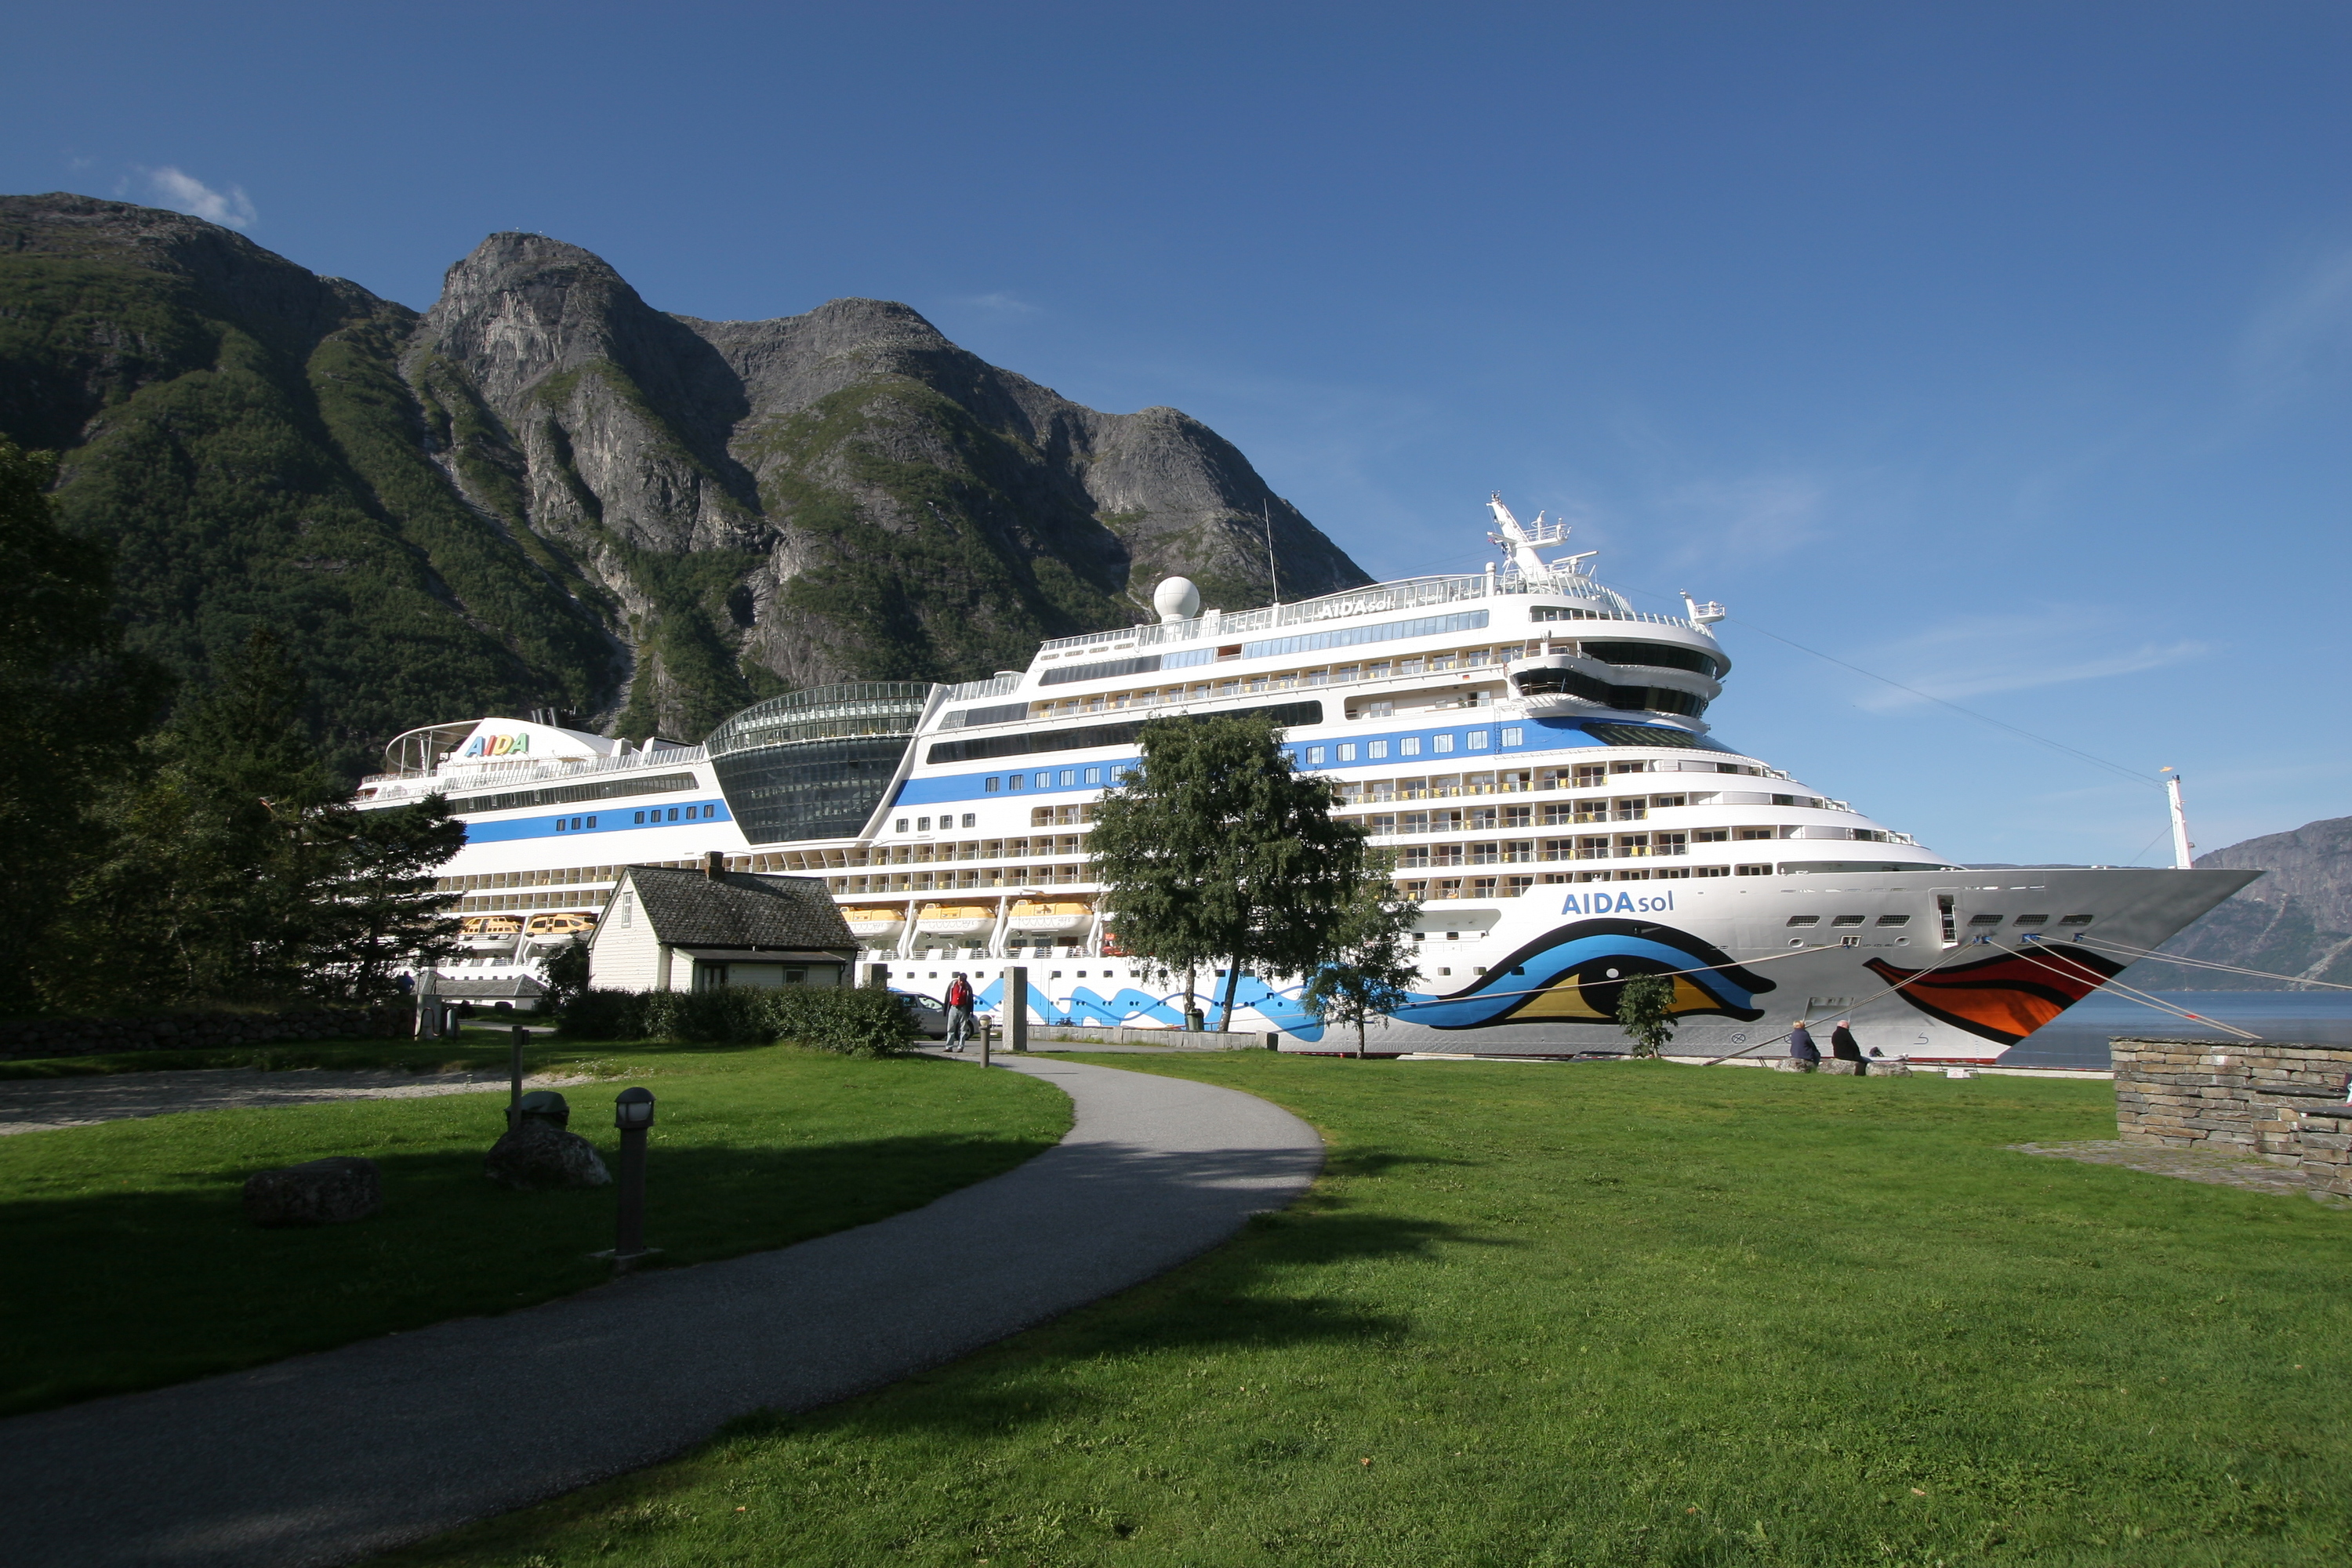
column 2285, row 1102
column 29, row 1038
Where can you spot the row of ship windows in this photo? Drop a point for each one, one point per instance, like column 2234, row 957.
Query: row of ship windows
column 642, row 818
column 1520, row 780
column 1451, row 661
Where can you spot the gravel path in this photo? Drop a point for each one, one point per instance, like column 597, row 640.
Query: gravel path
column 330, row 1458
column 37, row 1104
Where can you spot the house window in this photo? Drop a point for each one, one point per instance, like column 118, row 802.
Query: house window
column 1514, row 736
column 628, row 908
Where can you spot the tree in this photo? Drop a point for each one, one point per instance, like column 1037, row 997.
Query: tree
column 1372, row 966
column 1645, row 1011
column 75, row 705
column 1215, row 848
column 566, row 974
column 236, row 866
column 374, row 905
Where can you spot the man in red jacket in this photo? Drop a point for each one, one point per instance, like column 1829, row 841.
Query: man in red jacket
column 959, row 1011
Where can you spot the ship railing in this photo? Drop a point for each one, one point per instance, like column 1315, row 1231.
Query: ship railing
column 1383, row 598
column 497, row 776
column 995, row 686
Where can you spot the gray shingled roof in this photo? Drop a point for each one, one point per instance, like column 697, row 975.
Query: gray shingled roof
column 739, row 909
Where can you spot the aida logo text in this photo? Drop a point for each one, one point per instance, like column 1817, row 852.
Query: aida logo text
column 496, row 746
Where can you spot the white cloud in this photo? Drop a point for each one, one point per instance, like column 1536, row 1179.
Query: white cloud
column 1755, row 517
column 1003, row 304
column 1973, row 655
column 186, row 193
column 2301, row 335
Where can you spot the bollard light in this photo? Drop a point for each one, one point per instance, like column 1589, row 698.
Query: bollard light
column 632, row 1113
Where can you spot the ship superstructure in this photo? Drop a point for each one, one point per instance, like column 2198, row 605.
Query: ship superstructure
column 1533, row 751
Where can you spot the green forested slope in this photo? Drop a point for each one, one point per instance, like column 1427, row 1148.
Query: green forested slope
column 545, row 493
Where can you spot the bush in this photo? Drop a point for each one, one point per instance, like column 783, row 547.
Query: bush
column 853, row 1022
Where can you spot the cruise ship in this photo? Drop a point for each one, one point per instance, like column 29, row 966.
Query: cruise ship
column 1534, row 753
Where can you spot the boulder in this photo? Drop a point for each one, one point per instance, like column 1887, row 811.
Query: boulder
column 320, row 1191
column 538, row 1155
column 1844, row 1066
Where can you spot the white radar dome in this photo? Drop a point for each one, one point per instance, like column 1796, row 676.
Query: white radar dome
column 1176, row 599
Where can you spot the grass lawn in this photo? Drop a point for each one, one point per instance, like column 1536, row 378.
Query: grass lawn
column 129, row 1264
column 1604, row 1315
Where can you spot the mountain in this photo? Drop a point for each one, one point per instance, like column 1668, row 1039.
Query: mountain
column 2296, row 920
column 543, row 492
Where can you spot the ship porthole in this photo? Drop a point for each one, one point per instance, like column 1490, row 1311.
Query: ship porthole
column 1613, row 974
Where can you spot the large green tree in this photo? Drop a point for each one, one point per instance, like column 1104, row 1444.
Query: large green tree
column 1216, row 847
column 76, row 707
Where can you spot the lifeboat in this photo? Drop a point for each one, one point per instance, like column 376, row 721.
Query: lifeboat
column 955, row 920
column 489, row 928
column 867, row 923
column 1050, row 917
column 572, row 923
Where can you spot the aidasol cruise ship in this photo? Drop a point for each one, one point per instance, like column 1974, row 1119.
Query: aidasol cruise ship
column 1533, row 752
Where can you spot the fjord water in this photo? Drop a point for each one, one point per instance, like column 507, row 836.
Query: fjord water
column 2079, row 1036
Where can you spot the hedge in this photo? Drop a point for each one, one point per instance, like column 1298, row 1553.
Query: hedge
column 859, row 1022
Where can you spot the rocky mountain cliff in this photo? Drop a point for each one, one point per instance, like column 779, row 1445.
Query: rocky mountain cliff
column 2294, row 921
column 544, row 492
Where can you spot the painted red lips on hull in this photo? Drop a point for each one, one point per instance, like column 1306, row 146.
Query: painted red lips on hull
column 2006, row 998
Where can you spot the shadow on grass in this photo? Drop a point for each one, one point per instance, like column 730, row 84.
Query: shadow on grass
column 115, row 1292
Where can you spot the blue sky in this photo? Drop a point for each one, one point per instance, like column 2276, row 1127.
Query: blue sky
column 2003, row 350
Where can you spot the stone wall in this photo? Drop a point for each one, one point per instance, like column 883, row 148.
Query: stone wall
column 28, row 1037
column 2285, row 1102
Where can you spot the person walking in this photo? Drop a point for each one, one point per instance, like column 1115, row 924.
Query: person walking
column 1843, row 1045
column 1802, row 1049
column 959, row 1011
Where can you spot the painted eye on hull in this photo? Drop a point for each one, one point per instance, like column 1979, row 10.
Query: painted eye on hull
column 2002, row 999
column 1576, row 973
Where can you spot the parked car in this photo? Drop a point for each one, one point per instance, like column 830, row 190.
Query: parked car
column 929, row 1014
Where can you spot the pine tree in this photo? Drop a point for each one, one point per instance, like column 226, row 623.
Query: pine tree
column 76, row 707
column 1216, row 848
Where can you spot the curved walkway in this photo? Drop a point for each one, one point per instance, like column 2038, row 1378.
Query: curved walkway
column 329, row 1457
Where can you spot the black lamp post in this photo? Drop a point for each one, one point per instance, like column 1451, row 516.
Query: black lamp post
column 632, row 1113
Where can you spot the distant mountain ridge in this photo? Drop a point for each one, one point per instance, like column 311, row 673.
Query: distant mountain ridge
column 2294, row 921
column 544, row 492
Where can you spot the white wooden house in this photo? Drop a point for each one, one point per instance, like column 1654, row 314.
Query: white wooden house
column 664, row 929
